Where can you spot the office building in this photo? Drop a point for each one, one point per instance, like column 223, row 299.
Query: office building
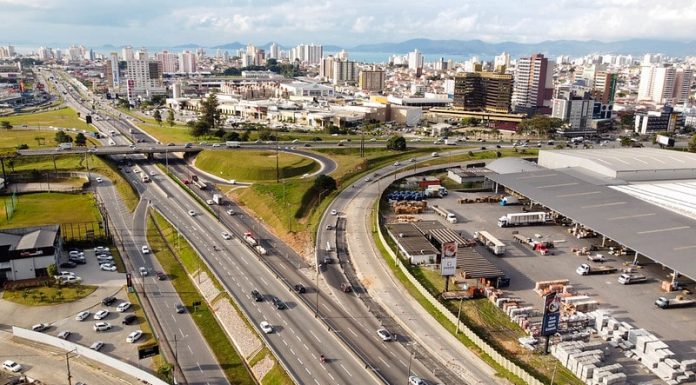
column 144, row 78
column 169, row 61
column 574, row 109
column 483, row 91
column 187, row 62
column 112, row 70
column 27, row 252
column 533, row 86
column 371, row 80
column 666, row 119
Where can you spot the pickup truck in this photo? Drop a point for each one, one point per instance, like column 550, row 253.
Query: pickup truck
column 586, row 269
column 672, row 303
column 596, row 258
column 630, row 278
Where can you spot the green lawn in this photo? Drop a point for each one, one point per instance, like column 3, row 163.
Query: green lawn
column 64, row 118
column 44, row 295
column 253, row 165
column 10, row 139
column 222, row 348
column 37, row 209
column 77, row 163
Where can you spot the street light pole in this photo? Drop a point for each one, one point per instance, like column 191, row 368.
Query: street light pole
column 67, row 363
column 459, row 312
column 411, row 353
column 316, row 309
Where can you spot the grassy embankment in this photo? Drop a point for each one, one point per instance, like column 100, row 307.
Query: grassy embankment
column 45, row 295
column 36, row 209
column 64, row 118
column 179, row 268
column 254, row 165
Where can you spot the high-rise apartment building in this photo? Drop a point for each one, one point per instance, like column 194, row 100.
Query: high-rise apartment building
column 483, row 91
column 44, row 53
column 344, row 72
column 127, row 53
column 7, row 52
column 169, row 61
column 308, row 54
column 371, row 80
column 415, row 60
column 187, row 62
column 502, row 61
column 326, row 68
column 144, row 77
column 533, row 87
column 274, row 51
column 112, row 70
column 664, row 84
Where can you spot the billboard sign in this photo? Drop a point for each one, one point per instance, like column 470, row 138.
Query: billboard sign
column 448, row 261
column 552, row 314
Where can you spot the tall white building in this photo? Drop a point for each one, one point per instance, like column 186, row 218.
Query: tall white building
column 7, row 52
column 344, row 71
column 274, row 51
column 169, row 61
column 415, row 60
column 343, row 55
column 114, row 70
column 127, row 53
column 502, row 60
column 308, row 54
column 143, row 77
column 44, row 53
column 326, row 68
column 664, row 84
column 187, row 62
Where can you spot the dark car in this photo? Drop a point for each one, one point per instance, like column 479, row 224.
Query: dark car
column 280, row 305
column 68, row 265
column 129, row 319
column 300, row 288
column 161, row 276
column 256, row 295
column 79, row 261
column 108, row 301
column 180, row 308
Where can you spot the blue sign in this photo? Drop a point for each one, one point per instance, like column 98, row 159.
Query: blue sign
column 549, row 325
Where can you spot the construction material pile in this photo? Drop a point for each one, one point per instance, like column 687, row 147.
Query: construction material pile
column 408, row 207
column 586, row 361
column 483, row 199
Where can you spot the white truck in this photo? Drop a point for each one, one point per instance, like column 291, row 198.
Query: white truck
column 261, row 250
column 491, row 242
column 523, row 219
column 232, row 144
column 65, row 146
column 436, row 190
column 630, row 278
column 449, row 216
column 217, row 198
column 249, row 238
column 509, row 200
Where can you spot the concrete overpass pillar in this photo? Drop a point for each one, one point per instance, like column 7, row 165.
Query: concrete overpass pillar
column 635, row 259
column 604, row 240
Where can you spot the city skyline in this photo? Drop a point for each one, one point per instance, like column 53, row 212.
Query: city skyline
column 215, row 22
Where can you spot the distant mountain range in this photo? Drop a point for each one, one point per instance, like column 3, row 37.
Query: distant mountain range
column 481, row 48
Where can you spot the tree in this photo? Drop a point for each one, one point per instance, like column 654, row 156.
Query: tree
column 170, row 117
column 324, row 183
column 62, row 137
column 541, row 124
column 397, row 143
column 626, row 141
column 52, row 270
column 692, row 144
column 5, row 125
column 209, row 111
column 158, row 117
column 199, row 128
column 232, row 136
column 80, row 139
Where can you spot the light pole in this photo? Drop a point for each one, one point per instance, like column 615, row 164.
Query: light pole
column 459, row 312
column 67, row 363
column 316, row 309
column 411, row 353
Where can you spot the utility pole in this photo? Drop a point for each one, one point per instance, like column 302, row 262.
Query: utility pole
column 67, row 363
column 316, row 310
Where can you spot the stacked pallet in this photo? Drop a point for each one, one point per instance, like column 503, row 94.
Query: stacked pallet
column 586, row 361
column 578, row 303
column 484, row 199
column 409, row 207
column 646, row 348
column 544, row 287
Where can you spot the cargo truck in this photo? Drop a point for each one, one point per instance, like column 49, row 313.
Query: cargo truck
column 217, row 198
column 491, row 242
column 65, row 146
column 449, row 216
column 249, row 238
column 586, row 269
column 509, row 200
column 673, row 303
column 230, row 144
column 630, row 278
column 664, row 141
column 523, row 219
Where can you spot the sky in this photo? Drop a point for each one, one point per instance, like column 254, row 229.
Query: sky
column 346, row 23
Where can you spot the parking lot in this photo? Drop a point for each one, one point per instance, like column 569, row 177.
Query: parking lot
column 630, row 303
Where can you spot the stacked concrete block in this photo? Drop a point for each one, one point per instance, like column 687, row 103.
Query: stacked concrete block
column 610, row 374
column 614, row 379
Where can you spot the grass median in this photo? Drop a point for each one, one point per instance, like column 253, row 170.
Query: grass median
column 254, row 165
column 64, row 118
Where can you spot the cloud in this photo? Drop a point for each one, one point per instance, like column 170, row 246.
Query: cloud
column 342, row 22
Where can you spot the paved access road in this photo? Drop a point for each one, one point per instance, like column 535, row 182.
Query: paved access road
column 355, row 205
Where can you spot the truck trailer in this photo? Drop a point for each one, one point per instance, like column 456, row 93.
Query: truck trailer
column 523, row 219
column 449, row 216
column 491, row 242
column 673, row 303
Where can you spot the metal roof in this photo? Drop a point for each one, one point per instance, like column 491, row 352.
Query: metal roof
column 659, row 234
column 474, row 265
column 511, row 165
column 629, row 159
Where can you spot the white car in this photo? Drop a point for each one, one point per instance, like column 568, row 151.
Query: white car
column 134, row 336
column 230, row 212
column 152, row 173
column 104, row 257
column 107, row 267
column 384, row 334
column 81, row 316
column 123, row 306
column 266, row 327
column 334, row 212
column 142, row 270
column 101, row 314
column 101, row 249
column 396, row 164
column 97, row 345
column 66, row 274
column 40, row 327
column 99, row 179
column 76, row 253
column 192, row 213
column 210, row 202
column 145, row 249
column 414, row 380
column 226, row 235
column 102, row 326
column 68, row 280
column 11, row 366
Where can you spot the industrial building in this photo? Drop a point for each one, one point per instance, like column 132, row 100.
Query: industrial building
column 26, row 253
column 644, row 199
